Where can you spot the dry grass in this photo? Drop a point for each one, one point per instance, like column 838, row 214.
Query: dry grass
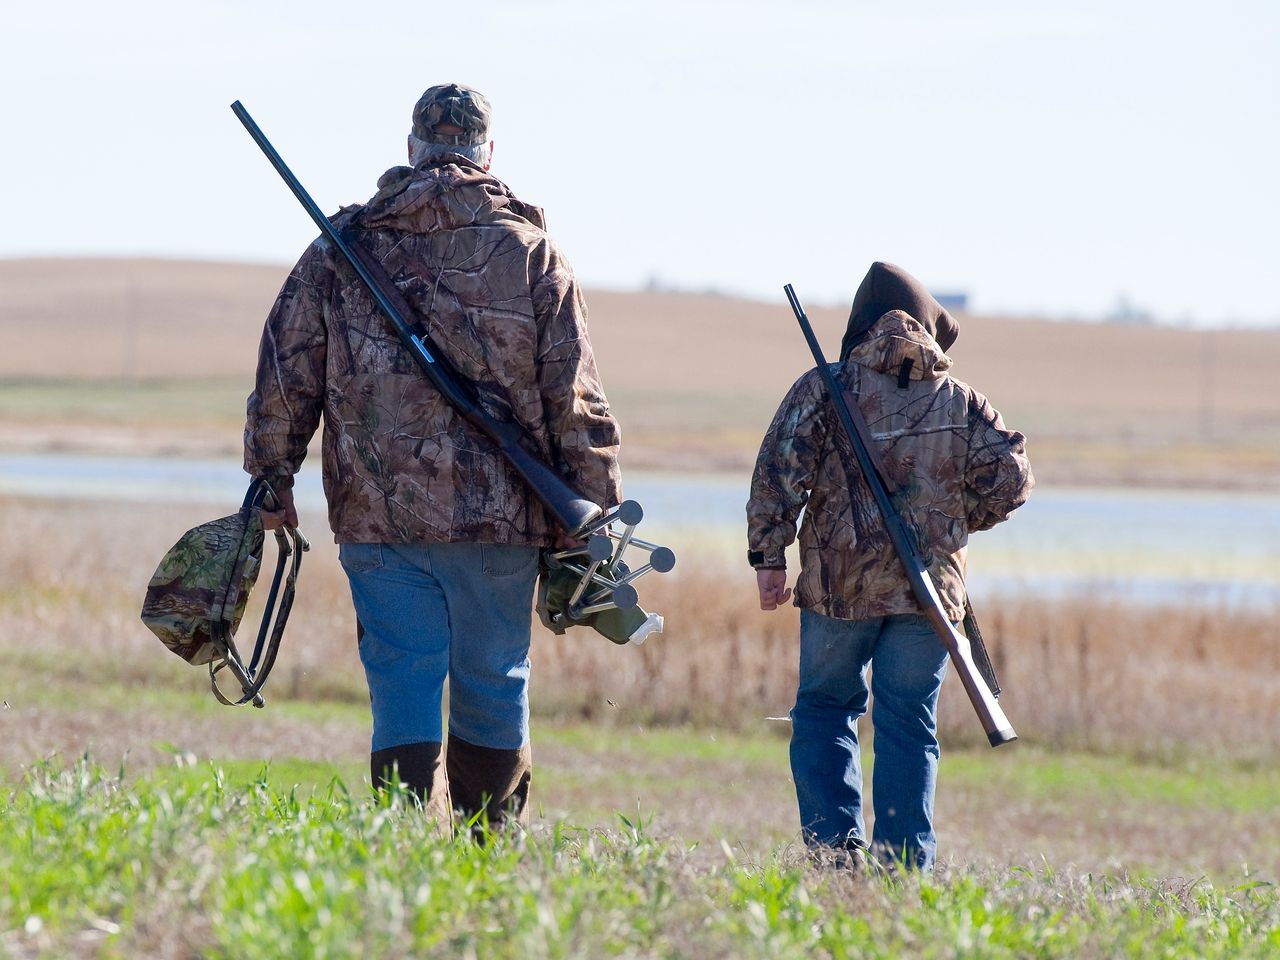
column 694, row 378
column 1096, row 675
column 79, row 674
column 1082, row 674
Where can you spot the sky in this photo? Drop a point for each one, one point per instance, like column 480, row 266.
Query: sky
column 1046, row 159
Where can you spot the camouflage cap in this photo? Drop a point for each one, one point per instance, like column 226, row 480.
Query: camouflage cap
column 452, row 104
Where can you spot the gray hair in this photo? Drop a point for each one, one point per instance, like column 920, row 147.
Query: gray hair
column 420, row 150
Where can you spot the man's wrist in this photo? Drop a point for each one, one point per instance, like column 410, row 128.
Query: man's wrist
column 277, row 481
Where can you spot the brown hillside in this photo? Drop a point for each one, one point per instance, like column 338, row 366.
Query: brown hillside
column 136, row 318
column 694, row 377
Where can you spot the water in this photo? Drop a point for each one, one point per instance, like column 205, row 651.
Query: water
column 1215, row 548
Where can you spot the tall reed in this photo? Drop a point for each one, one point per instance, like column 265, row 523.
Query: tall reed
column 1098, row 674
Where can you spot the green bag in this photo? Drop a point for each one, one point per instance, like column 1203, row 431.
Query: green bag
column 198, row 594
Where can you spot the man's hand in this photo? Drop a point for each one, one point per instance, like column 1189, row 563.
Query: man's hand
column 566, row 542
column 287, row 515
column 773, row 588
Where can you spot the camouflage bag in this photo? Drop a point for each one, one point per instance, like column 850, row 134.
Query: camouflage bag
column 198, row 594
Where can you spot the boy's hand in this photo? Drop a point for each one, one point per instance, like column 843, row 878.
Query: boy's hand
column 773, row 588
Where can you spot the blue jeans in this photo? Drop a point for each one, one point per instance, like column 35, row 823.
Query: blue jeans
column 427, row 611
column 909, row 663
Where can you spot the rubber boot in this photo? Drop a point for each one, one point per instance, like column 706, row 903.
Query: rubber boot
column 420, row 768
column 489, row 785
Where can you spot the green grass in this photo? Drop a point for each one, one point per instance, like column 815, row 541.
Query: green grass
column 635, row 755
column 1069, row 778
column 1024, row 772
column 206, row 862
column 672, row 743
column 174, row 856
column 217, row 401
column 92, row 681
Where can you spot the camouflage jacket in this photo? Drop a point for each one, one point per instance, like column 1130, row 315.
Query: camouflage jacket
column 954, row 466
column 499, row 300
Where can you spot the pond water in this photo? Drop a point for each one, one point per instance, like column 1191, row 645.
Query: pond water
column 1148, row 545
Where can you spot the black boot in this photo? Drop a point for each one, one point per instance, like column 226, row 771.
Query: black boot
column 419, row 767
column 491, row 782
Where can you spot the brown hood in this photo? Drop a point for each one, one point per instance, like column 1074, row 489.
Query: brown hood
column 442, row 196
column 888, row 287
column 899, row 345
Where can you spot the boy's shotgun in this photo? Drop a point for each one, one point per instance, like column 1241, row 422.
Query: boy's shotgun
column 994, row 722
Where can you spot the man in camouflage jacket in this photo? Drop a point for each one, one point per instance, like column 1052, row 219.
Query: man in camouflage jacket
column 955, row 469
column 439, row 536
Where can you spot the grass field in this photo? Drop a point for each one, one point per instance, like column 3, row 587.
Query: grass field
column 138, row 818
column 229, row 862
column 148, row 355
column 1134, row 818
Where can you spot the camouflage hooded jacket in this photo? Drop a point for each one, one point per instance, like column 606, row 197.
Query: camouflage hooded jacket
column 954, row 467
column 497, row 297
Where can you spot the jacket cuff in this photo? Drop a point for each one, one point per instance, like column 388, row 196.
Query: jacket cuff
column 278, row 481
column 767, row 560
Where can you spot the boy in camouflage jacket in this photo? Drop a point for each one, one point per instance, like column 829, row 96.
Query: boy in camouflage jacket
column 955, row 469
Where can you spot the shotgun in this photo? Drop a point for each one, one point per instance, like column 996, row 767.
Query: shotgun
column 994, row 722
column 593, row 585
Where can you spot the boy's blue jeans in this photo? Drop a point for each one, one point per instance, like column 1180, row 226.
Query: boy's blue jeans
column 908, row 663
column 461, row 610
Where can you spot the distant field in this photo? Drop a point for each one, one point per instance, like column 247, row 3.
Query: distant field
column 149, row 355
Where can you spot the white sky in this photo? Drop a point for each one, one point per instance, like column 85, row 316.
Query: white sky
column 1046, row 158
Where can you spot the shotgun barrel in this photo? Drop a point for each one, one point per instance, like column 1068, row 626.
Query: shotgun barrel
column 572, row 511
